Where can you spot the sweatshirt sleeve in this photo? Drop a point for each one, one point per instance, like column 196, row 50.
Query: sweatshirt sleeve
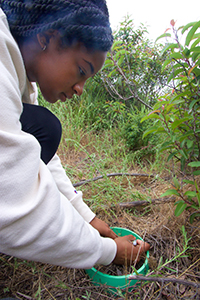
column 37, row 221
column 62, row 180
column 66, row 188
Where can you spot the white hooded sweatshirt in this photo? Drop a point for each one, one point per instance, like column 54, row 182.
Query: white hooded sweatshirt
column 42, row 217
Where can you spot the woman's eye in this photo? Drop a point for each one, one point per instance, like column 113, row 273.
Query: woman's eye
column 82, row 73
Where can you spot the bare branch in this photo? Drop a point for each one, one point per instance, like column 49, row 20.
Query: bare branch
column 165, row 279
column 144, row 202
column 110, row 175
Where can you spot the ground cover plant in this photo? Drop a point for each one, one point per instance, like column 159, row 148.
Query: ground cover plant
column 127, row 193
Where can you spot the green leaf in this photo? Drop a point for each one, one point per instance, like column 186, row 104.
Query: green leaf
column 150, row 130
column 115, row 44
column 176, row 55
column 193, row 216
column 181, row 64
column 195, row 43
column 166, row 144
column 166, row 63
column 186, row 52
column 195, row 57
column 187, row 26
column 153, row 129
column 196, row 35
column 182, row 163
column 171, row 155
column 193, row 206
column 151, row 116
column 194, row 164
column 175, row 73
column 190, row 194
column 162, row 36
column 198, row 62
column 176, row 183
column 172, row 270
column 191, row 33
column 198, row 197
column 190, row 143
column 119, row 62
column 193, row 103
column 169, row 46
column 183, row 79
column 178, row 122
column 181, row 206
column 177, row 100
column 196, row 173
column 168, row 107
column 112, row 73
column 183, row 153
column 189, row 181
column 109, row 62
column 123, row 51
column 159, row 104
column 184, row 137
column 170, row 192
column 195, row 49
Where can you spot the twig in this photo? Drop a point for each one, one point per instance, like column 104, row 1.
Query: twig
column 141, row 203
column 25, row 296
column 165, row 279
column 110, row 175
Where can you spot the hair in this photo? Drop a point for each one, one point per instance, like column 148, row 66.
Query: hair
column 85, row 21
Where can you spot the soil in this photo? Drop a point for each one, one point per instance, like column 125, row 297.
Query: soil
column 119, row 270
column 155, row 223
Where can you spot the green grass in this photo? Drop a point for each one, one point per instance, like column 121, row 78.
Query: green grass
column 87, row 153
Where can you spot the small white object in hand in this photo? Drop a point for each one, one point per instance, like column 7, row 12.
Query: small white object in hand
column 135, row 243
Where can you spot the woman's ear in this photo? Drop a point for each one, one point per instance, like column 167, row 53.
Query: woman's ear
column 43, row 38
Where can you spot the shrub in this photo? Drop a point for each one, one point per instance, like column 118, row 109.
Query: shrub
column 133, row 133
column 177, row 114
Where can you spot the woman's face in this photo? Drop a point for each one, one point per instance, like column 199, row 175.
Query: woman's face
column 62, row 72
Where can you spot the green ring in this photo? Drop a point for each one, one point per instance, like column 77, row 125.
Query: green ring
column 118, row 282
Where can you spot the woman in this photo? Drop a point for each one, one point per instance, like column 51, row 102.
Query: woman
column 58, row 44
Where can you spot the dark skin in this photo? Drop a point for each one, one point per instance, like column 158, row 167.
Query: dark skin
column 126, row 252
column 61, row 73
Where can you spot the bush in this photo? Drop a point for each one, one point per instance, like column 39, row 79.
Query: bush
column 177, row 115
column 133, row 133
column 132, row 70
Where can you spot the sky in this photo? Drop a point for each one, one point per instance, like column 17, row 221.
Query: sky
column 155, row 14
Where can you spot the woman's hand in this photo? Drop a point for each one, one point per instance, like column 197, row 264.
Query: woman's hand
column 103, row 228
column 127, row 253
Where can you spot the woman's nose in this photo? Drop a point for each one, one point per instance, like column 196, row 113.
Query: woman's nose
column 78, row 88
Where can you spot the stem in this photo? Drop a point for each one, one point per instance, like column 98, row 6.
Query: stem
column 165, row 279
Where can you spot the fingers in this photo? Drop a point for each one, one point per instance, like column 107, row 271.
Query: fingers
column 141, row 248
column 129, row 238
column 103, row 228
column 112, row 234
column 127, row 252
column 143, row 245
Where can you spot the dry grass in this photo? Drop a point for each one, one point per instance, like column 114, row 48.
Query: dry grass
column 156, row 223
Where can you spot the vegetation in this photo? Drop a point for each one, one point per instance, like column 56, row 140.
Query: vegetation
column 103, row 134
column 177, row 115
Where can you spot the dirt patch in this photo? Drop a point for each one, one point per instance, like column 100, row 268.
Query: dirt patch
column 118, row 270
